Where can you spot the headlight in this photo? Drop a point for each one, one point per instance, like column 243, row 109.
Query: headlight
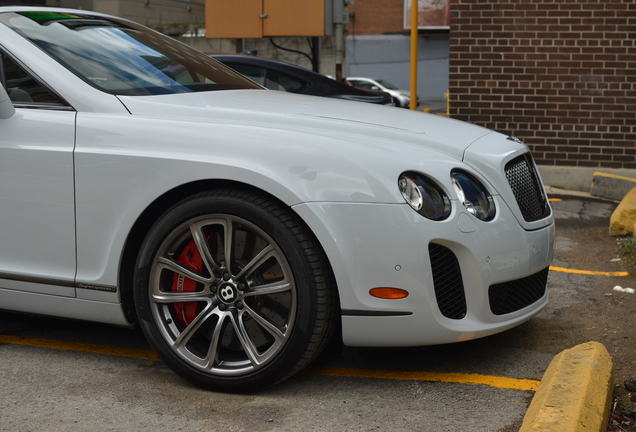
column 473, row 195
column 424, row 196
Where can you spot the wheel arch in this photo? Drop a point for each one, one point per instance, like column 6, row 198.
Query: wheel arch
column 153, row 211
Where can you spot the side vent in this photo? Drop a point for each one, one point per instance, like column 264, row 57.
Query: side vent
column 447, row 278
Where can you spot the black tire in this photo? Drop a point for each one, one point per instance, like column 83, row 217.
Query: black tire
column 315, row 301
column 396, row 103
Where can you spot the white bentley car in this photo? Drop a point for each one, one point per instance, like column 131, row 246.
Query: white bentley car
column 143, row 183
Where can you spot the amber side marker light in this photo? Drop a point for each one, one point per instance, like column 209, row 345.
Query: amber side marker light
column 389, row 293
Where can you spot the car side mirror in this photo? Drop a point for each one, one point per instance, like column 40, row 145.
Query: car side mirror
column 375, row 88
column 6, row 106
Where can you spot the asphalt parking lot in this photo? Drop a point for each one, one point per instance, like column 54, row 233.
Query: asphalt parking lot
column 68, row 375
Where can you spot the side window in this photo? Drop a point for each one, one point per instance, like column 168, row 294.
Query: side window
column 22, row 88
column 365, row 85
column 283, row 82
column 254, row 73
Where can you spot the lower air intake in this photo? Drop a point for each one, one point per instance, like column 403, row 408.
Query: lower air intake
column 511, row 296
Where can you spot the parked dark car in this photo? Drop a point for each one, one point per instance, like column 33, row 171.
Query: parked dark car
column 276, row 75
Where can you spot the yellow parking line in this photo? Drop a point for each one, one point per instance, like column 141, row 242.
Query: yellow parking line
column 555, row 199
column 81, row 347
column 588, row 272
column 461, row 378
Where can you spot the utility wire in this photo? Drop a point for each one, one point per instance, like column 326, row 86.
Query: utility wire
column 304, row 54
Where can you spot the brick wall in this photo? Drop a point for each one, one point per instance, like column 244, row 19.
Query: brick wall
column 376, row 17
column 560, row 74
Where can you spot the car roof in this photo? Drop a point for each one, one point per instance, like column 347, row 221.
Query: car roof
column 297, row 72
column 6, row 9
column 47, row 9
column 290, row 69
column 249, row 59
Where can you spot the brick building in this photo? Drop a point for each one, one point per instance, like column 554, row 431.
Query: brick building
column 377, row 17
column 559, row 74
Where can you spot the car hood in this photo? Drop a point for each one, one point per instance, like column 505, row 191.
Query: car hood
column 291, row 111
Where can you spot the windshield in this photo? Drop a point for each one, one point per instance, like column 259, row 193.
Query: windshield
column 122, row 58
column 387, row 84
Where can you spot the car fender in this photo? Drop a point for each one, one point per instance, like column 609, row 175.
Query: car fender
column 124, row 163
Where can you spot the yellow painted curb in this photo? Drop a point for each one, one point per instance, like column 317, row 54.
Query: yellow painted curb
column 575, row 392
column 623, row 218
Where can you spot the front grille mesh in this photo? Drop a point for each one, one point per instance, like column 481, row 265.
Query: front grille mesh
column 447, row 279
column 511, row 296
column 524, row 182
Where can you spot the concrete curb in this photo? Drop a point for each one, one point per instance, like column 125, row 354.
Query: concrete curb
column 577, row 178
column 612, row 186
column 575, row 392
column 568, row 193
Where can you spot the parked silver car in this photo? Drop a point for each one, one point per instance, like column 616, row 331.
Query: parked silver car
column 142, row 182
column 401, row 98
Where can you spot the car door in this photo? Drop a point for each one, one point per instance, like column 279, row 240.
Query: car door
column 37, row 215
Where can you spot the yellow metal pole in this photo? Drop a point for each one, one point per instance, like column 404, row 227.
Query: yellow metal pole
column 447, row 96
column 414, row 32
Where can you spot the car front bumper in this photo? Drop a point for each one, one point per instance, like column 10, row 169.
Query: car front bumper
column 387, row 245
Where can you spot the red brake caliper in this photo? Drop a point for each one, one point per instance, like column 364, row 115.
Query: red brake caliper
column 191, row 259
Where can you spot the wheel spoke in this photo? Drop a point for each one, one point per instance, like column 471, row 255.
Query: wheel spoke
column 244, row 339
column 271, row 328
column 257, row 261
column 187, row 333
column 273, row 288
column 228, row 234
column 180, row 297
column 175, row 267
column 204, row 250
column 212, row 354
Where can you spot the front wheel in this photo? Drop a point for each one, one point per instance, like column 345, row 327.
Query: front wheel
column 233, row 291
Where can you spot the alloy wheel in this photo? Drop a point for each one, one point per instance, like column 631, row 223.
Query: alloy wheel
column 222, row 294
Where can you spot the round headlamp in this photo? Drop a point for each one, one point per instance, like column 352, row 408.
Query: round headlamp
column 424, row 196
column 473, row 195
